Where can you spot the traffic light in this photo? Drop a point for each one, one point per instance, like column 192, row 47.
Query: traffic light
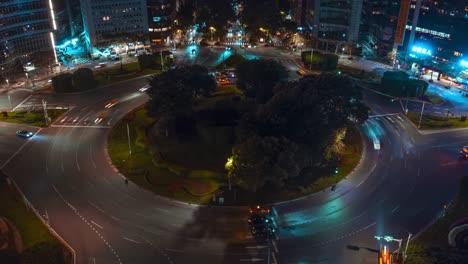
column 337, row 170
column 339, row 72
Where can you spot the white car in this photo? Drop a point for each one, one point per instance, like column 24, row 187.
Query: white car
column 144, row 88
column 376, row 144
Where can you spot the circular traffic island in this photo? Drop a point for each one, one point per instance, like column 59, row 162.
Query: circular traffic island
column 227, row 148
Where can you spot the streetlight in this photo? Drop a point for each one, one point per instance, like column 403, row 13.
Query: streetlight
column 212, row 29
column 311, row 56
column 8, row 85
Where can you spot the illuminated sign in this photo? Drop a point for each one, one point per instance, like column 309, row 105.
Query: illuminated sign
column 421, row 50
column 431, row 32
column 401, row 24
column 464, row 63
column 156, row 19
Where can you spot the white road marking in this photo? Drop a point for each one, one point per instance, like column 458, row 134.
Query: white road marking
column 94, row 223
column 391, row 120
column 396, row 208
column 91, row 155
column 21, row 103
column 391, row 114
column 68, row 126
column 412, row 139
column 275, row 248
column 64, row 119
column 175, row 250
column 131, row 240
column 16, row 153
column 162, row 210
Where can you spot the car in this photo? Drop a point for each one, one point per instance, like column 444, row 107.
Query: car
column 144, row 88
column 228, row 48
column 222, row 81
column 350, row 58
column 430, row 80
column 464, row 152
column 301, row 72
column 259, row 210
column 376, row 144
column 24, row 133
column 100, row 117
column 193, row 51
column 112, row 103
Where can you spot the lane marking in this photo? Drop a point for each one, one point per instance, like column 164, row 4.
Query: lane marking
column 94, row 223
column 175, row 250
column 391, row 114
column 70, row 126
column 91, row 155
column 21, row 148
column 131, row 240
column 396, row 208
column 162, row 210
column 21, row 103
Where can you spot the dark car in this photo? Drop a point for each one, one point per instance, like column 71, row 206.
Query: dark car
column 24, row 133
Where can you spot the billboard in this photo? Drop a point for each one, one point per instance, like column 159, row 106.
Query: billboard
column 402, row 18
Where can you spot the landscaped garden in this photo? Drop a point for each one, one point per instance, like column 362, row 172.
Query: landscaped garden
column 437, row 122
column 32, row 118
column 32, row 241
column 194, row 142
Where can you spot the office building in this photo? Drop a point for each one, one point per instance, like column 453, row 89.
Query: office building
column 25, row 30
column 161, row 15
column 107, row 21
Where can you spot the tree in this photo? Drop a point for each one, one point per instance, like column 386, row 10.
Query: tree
column 269, row 19
column 185, row 17
column 42, row 253
column 62, row 83
column 173, row 91
column 262, row 160
column 308, row 112
column 257, row 78
column 213, row 13
column 83, row 79
column 399, row 84
column 320, row 61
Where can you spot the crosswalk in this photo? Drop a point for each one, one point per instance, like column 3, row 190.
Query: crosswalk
column 91, row 120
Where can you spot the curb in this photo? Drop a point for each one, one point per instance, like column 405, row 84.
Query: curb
column 51, row 230
column 363, row 155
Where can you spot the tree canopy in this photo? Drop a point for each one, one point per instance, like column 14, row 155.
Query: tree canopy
column 263, row 160
column 257, row 78
column 306, row 120
column 173, row 91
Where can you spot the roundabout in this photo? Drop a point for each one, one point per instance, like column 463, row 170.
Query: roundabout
column 65, row 173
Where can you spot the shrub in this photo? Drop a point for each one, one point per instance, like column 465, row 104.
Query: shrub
column 83, row 79
column 42, row 253
column 62, row 82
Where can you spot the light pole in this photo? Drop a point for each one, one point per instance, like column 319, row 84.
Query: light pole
column 420, row 118
column 212, row 29
column 8, row 85
column 129, row 145
column 311, row 57
column 162, row 62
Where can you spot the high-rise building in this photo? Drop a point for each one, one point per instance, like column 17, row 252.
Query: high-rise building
column 334, row 23
column 25, row 29
column 161, row 15
column 105, row 21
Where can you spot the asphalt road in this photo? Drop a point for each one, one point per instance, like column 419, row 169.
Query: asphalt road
column 65, row 173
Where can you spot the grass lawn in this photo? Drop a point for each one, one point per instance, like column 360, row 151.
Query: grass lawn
column 33, row 118
column 350, row 158
column 433, row 242
column 230, row 89
column 130, row 71
column 186, row 176
column 436, row 122
column 33, row 233
column 435, row 99
column 192, row 185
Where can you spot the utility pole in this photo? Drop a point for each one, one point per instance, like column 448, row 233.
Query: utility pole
column 420, row 118
column 406, row 105
column 129, row 145
column 46, row 117
column 162, row 62
column 311, row 57
column 406, row 248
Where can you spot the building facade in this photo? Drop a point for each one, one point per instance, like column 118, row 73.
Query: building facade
column 105, row 21
column 25, row 30
column 161, row 15
column 334, row 24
